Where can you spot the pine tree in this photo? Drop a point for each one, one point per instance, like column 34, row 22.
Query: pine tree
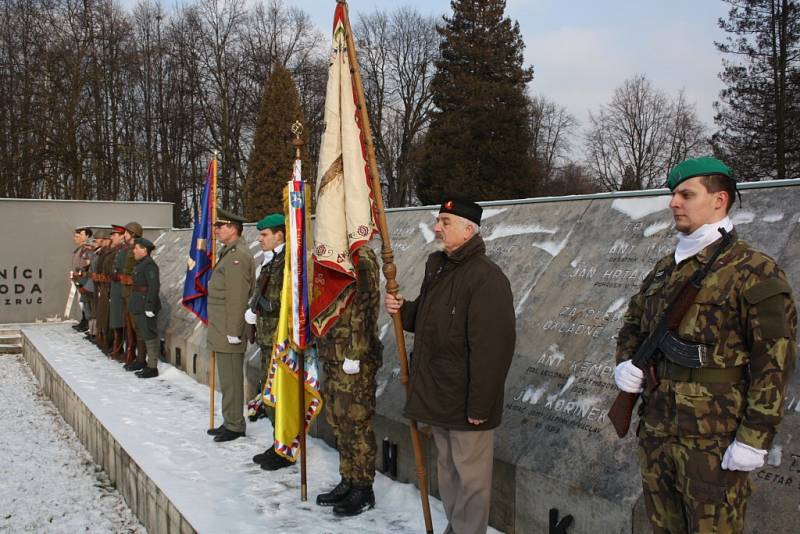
column 479, row 139
column 758, row 114
column 270, row 164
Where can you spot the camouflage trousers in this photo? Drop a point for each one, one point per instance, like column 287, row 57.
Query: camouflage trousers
column 349, row 407
column 685, row 488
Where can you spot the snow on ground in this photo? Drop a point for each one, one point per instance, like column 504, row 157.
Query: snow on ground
column 49, row 481
column 161, row 422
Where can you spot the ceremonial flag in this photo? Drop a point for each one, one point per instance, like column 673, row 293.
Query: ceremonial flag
column 292, row 352
column 346, row 213
column 201, row 253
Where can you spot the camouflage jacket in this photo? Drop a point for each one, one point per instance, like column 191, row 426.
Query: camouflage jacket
column 268, row 304
column 745, row 313
column 354, row 335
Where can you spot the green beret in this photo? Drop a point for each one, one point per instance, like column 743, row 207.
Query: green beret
column 273, row 220
column 227, row 217
column 144, row 243
column 690, row 168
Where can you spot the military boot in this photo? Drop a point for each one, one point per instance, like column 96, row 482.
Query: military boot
column 116, row 349
column 82, row 326
column 360, row 499
column 335, row 495
column 147, row 372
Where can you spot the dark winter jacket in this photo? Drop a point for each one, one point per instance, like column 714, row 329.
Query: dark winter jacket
column 464, row 334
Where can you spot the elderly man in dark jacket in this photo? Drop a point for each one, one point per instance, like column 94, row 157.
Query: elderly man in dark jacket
column 464, row 334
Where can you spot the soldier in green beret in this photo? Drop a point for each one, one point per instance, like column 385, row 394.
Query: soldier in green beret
column 144, row 304
column 264, row 308
column 228, row 293
column 722, row 372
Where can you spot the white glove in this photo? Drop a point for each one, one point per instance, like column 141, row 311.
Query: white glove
column 150, row 314
column 351, row 367
column 628, row 377
column 742, row 457
column 233, row 340
column 250, row 316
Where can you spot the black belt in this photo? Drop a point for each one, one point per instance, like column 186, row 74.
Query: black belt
column 703, row 375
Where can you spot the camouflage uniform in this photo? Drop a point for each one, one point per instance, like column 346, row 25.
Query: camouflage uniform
column 745, row 315
column 268, row 306
column 350, row 399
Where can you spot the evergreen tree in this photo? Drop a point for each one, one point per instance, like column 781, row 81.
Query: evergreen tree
column 479, row 138
column 269, row 166
column 758, row 114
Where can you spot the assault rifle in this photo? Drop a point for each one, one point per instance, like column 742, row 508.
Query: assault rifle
column 662, row 340
column 255, row 304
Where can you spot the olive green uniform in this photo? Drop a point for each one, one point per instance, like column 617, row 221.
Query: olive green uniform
column 105, row 266
column 144, row 298
column 745, row 316
column 350, row 399
column 228, row 290
column 116, row 317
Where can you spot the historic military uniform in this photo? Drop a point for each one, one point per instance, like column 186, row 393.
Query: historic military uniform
column 144, row 305
column 743, row 326
column 102, row 282
column 81, row 262
column 135, row 349
column 117, row 312
column 228, row 290
column 350, row 398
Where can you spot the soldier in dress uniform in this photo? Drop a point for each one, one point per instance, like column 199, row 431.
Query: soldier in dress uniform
column 228, row 292
column 352, row 353
column 144, row 304
column 80, row 264
column 264, row 308
column 722, row 373
column 101, row 285
column 135, row 349
column 116, row 317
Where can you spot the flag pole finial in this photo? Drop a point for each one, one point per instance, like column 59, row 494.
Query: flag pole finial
column 297, row 130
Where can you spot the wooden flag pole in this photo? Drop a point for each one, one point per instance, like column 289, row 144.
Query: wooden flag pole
column 297, row 130
column 387, row 254
column 213, row 361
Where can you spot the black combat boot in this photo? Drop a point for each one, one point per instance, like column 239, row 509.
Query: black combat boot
column 263, row 456
column 147, row 372
column 215, row 431
column 134, row 366
column 274, row 462
column 360, row 499
column 228, row 435
column 82, row 326
column 336, row 494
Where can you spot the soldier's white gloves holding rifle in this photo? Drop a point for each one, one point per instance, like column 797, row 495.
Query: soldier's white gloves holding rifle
column 351, row 367
column 628, row 377
column 249, row 316
column 233, row 340
column 742, row 457
column 150, row 314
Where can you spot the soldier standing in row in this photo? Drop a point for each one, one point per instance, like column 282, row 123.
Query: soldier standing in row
column 352, row 353
column 135, row 350
column 144, row 304
column 228, row 291
column 703, row 428
column 105, row 267
column 263, row 311
column 116, row 315
column 100, row 289
column 80, row 264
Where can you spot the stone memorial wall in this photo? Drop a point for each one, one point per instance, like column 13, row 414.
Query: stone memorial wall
column 573, row 263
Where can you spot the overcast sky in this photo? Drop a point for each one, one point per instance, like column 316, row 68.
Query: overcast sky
column 581, row 50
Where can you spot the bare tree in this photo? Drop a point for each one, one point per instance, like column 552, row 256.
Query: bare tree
column 552, row 131
column 397, row 53
column 634, row 140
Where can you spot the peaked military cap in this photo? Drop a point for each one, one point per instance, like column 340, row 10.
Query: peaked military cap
column 101, row 234
column 690, row 168
column 117, row 229
column 273, row 220
column 144, row 243
column 227, row 217
column 463, row 208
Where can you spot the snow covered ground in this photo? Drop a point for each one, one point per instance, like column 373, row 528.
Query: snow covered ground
column 49, row 481
column 161, row 422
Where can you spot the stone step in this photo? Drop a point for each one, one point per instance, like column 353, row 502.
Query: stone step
column 10, row 349
column 11, row 338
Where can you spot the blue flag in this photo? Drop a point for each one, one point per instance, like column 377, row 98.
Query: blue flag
column 201, row 253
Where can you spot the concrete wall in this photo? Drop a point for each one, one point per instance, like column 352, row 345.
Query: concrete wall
column 573, row 263
column 37, row 246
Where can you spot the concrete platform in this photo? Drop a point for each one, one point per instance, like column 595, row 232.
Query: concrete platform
column 149, row 436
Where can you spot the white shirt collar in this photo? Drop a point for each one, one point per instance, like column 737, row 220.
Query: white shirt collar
column 691, row 244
